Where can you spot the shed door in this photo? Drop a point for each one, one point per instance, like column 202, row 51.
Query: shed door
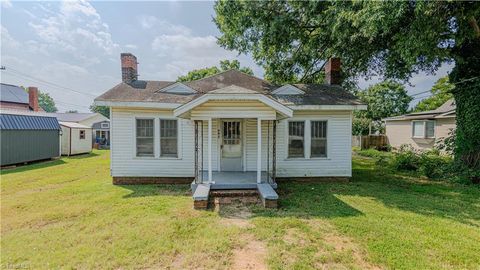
column 231, row 146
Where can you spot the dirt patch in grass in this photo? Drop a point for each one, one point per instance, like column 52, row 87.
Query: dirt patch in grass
column 251, row 256
column 235, row 214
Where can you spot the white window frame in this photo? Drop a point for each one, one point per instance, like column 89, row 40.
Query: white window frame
column 102, row 125
column 424, row 124
column 307, row 143
column 326, row 139
column 135, row 154
column 80, row 134
column 160, row 138
column 288, row 138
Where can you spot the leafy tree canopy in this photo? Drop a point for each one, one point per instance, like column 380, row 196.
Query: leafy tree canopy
column 209, row 71
column 293, row 39
column 103, row 110
column 441, row 92
column 385, row 99
column 46, row 102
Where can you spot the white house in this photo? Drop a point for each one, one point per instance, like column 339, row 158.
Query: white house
column 76, row 138
column 228, row 131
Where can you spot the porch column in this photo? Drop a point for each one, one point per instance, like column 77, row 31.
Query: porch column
column 259, row 150
column 210, row 180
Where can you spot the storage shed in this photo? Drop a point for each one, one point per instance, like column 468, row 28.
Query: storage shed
column 76, row 138
column 28, row 137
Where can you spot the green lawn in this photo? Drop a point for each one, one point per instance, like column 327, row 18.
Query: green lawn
column 67, row 214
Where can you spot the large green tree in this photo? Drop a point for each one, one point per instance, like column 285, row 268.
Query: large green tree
column 385, row 99
column 391, row 38
column 441, row 92
column 103, row 110
column 209, row 71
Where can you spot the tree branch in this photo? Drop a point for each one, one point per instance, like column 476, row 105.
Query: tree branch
column 474, row 24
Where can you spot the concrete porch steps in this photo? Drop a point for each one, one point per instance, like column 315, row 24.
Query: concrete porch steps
column 204, row 196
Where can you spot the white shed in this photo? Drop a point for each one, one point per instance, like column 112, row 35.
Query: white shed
column 76, row 138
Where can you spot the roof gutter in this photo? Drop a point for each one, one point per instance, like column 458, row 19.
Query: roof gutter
column 137, row 104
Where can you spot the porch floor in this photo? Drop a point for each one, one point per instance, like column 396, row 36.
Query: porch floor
column 233, row 180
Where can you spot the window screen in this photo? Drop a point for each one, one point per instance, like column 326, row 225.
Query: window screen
column 168, row 138
column 145, row 137
column 418, row 129
column 296, row 139
column 430, row 129
column 319, row 138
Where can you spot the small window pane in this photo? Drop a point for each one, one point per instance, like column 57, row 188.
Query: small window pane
column 430, row 129
column 319, row 138
column 168, row 138
column 82, row 134
column 296, row 138
column 418, row 129
column 144, row 137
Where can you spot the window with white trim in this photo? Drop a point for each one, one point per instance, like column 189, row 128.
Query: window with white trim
column 105, row 125
column 144, row 137
column 318, row 146
column 423, row 129
column 82, row 134
column 168, row 138
column 296, row 139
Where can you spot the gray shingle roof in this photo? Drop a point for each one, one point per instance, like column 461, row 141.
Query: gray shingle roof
column 446, row 107
column 72, row 117
column 31, row 122
column 149, row 91
column 13, row 93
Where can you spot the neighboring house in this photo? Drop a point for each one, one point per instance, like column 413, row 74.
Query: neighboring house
column 14, row 97
column 28, row 137
column 421, row 129
column 76, row 138
column 228, row 131
column 99, row 125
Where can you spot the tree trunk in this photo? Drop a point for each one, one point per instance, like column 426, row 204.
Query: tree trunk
column 466, row 77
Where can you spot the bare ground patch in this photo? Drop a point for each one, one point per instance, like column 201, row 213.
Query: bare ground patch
column 251, row 253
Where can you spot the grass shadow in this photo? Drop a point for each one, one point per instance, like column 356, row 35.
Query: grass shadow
column 310, row 200
column 82, row 156
column 410, row 192
column 32, row 166
column 157, row 190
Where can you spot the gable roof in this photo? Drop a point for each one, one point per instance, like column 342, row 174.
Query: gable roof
column 13, row 93
column 143, row 92
column 13, row 121
column 72, row 117
column 73, row 125
column 447, row 109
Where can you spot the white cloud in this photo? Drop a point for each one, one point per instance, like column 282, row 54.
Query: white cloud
column 148, row 22
column 131, row 46
column 77, row 29
column 6, row 3
column 7, row 40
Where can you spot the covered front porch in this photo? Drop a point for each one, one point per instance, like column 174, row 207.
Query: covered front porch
column 235, row 132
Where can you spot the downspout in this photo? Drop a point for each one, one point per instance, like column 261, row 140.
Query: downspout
column 70, row 143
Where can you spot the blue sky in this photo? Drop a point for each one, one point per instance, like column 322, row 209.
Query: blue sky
column 77, row 45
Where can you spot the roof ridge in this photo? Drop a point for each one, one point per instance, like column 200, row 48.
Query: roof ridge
column 228, row 70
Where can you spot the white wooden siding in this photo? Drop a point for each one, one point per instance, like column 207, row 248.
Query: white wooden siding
column 125, row 163
column 233, row 109
column 124, row 160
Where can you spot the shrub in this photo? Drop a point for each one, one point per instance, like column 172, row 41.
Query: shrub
column 406, row 159
column 433, row 165
column 373, row 153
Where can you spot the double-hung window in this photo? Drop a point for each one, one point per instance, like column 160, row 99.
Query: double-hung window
column 318, row 144
column 296, row 139
column 168, row 138
column 423, row 129
column 144, row 140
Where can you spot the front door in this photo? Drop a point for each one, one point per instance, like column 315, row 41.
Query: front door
column 231, row 146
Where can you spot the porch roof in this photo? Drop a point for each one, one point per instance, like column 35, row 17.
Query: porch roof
column 233, row 93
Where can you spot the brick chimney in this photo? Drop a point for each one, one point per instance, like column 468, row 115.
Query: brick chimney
column 33, row 98
column 129, row 67
column 333, row 71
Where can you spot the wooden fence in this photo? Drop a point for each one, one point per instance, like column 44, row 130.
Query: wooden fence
column 370, row 141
